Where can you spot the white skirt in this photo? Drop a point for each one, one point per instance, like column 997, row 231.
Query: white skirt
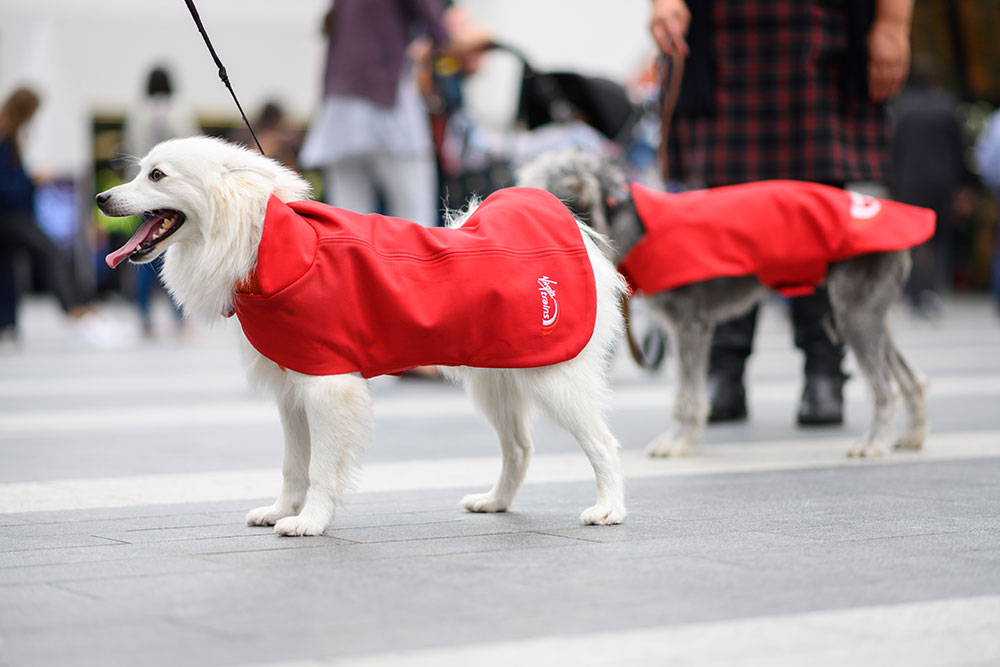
column 349, row 125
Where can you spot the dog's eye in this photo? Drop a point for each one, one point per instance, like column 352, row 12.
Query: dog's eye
column 156, row 175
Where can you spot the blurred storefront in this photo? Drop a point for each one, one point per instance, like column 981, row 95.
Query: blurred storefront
column 964, row 37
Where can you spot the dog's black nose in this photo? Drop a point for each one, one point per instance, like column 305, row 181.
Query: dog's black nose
column 102, row 198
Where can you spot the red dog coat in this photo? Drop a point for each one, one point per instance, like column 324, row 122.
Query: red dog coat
column 338, row 292
column 783, row 232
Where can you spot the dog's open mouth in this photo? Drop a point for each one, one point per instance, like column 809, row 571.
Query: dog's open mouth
column 156, row 227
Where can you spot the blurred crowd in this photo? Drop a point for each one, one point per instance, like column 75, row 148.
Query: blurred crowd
column 391, row 133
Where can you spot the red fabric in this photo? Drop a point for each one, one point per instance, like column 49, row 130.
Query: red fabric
column 783, row 232
column 342, row 292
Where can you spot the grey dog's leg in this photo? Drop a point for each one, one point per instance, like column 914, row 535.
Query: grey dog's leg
column 862, row 291
column 294, row 470
column 911, row 385
column 497, row 395
column 691, row 340
column 871, row 351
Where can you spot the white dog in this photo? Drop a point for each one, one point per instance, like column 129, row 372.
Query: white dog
column 204, row 202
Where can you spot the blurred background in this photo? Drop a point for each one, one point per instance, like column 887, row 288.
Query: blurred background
column 90, row 63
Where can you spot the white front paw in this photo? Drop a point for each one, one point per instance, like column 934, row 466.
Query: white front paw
column 672, row 445
column 868, row 450
column 912, row 441
column 484, row 502
column 267, row 516
column 603, row 515
column 299, row 525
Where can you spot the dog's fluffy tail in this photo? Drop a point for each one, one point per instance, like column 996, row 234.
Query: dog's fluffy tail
column 456, row 217
column 611, row 290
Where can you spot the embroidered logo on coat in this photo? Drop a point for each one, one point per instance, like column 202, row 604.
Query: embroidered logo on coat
column 864, row 207
column 550, row 304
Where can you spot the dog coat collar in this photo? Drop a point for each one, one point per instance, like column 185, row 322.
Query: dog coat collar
column 784, row 232
column 338, row 292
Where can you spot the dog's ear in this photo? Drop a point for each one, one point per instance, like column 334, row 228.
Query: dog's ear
column 583, row 195
column 284, row 183
column 572, row 183
column 582, row 189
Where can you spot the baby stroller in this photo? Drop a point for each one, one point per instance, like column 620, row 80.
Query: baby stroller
column 552, row 110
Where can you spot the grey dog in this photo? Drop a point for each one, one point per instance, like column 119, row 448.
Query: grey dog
column 862, row 291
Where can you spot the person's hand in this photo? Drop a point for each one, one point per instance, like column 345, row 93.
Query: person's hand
column 420, row 50
column 888, row 58
column 669, row 24
column 470, row 39
column 43, row 176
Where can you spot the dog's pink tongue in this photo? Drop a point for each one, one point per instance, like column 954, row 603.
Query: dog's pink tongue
column 118, row 256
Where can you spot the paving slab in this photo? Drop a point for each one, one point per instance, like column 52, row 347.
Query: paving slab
column 766, row 547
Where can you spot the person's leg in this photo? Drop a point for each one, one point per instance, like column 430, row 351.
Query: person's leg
column 51, row 263
column 8, row 294
column 145, row 274
column 931, row 260
column 732, row 343
column 349, row 184
column 175, row 309
column 815, row 334
column 995, row 278
column 943, row 243
column 410, row 186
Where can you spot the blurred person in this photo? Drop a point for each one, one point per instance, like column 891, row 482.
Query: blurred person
column 277, row 137
column 987, row 160
column 20, row 234
column 372, row 133
column 929, row 170
column 782, row 89
column 158, row 116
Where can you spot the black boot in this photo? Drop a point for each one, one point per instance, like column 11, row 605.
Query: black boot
column 732, row 343
column 817, row 336
column 822, row 400
column 727, row 397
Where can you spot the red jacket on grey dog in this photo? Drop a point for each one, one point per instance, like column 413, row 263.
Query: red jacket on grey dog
column 784, row 232
column 339, row 292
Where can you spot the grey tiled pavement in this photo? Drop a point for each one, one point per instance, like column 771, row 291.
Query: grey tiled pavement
column 766, row 547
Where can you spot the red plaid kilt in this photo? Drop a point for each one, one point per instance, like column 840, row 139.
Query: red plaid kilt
column 781, row 106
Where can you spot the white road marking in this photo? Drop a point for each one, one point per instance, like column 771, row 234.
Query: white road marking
column 471, row 473
column 52, row 388
column 255, row 410
column 959, row 631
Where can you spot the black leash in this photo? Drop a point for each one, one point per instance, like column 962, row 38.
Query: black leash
column 222, row 69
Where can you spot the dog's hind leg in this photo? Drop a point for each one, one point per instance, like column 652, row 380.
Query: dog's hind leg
column 338, row 412
column 571, row 396
column 912, row 386
column 294, row 469
column 691, row 339
column 861, row 292
column 497, row 395
column 871, row 352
